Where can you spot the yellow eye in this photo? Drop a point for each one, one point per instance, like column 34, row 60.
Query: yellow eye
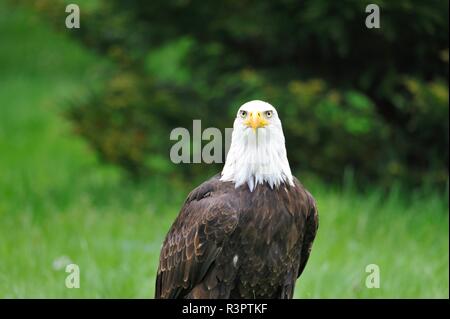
column 269, row 114
column 243, row 114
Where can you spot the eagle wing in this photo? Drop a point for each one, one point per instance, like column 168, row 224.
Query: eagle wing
column 311, row 226
column 195, row 239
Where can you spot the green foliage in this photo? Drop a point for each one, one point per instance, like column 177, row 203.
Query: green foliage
column 374, row 101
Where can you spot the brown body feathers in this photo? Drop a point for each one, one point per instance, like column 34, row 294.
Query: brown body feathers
column 229, row 242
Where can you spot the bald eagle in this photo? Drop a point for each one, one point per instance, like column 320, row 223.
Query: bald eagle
column 247, row 232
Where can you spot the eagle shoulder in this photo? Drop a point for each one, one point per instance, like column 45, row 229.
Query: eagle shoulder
column 207, row 218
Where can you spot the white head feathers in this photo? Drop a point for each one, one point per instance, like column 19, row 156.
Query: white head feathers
column 257, row 153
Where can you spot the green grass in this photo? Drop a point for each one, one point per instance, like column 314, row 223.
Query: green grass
column 59, row 202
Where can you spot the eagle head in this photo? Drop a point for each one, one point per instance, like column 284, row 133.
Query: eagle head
column 257, row 153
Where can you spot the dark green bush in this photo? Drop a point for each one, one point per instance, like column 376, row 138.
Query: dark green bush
column 371, row 100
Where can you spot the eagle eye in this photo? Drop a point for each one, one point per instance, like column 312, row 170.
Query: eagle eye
column 269, row 114
column 243, row 114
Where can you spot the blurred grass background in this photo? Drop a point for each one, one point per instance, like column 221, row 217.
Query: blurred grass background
column 62, row 199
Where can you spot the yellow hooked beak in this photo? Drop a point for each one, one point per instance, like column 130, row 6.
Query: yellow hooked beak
column 255, row 120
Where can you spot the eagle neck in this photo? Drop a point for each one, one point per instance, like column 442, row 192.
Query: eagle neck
column 257, row 158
